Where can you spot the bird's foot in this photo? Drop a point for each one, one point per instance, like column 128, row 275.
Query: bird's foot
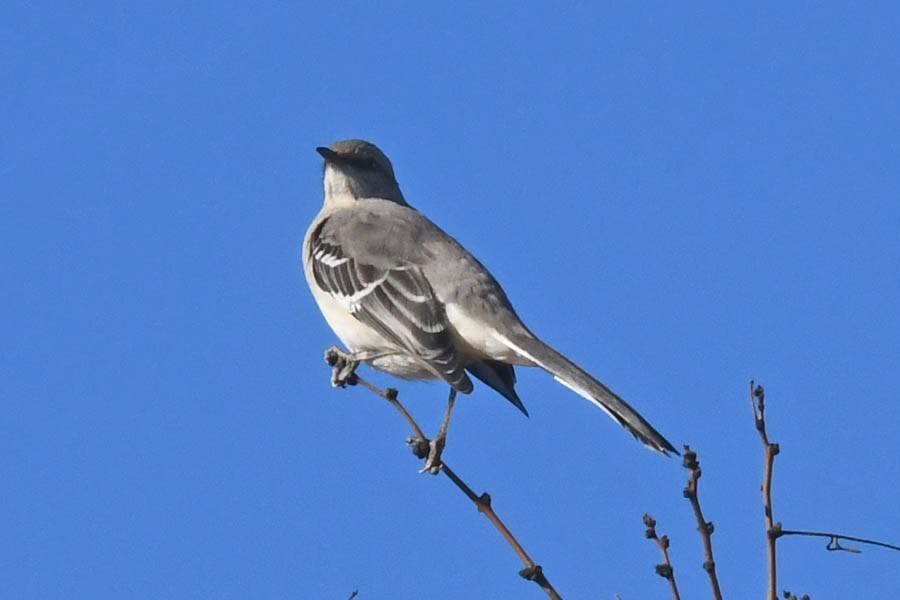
column 343, row 372
column 433, row 462
column 430, row 450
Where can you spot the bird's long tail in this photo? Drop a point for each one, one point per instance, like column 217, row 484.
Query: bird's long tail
column 582, row 383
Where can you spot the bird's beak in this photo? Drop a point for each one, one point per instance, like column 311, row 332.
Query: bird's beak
column 327, row 153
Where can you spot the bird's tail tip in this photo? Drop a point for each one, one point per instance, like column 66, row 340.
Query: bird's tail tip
column 660, row 445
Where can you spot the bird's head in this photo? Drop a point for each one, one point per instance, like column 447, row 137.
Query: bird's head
column 357, row 169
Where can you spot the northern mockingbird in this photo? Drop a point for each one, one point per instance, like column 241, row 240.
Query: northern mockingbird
column 408, row 299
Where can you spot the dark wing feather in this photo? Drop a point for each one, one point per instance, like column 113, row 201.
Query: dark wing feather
column 500, row 376
column 396, row 300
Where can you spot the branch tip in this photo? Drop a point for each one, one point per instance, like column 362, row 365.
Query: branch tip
column 759, row 393
column 664, row 569
column 705, row 527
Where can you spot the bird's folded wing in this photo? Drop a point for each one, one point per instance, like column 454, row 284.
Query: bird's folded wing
column 387, row 293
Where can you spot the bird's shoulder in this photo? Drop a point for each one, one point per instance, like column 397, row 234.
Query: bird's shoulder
column 375, row 230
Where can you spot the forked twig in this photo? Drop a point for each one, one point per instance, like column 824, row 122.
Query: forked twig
column 705, row 527
column 774, row 529
column 419, row 444
column 664, row 570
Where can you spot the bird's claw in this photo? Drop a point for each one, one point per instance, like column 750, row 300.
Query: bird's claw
column 433, row 462
column 343, row 367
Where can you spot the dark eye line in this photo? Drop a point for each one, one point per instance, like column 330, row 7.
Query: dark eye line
column 363, row 161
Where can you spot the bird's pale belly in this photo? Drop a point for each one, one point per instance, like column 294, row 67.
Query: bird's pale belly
column 403, row 366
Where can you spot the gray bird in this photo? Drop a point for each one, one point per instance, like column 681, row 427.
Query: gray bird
column 408, row 299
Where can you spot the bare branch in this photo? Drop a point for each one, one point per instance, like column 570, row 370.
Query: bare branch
column 420, row 447
column 773, row 529
column 664, row 570
column 705, row 527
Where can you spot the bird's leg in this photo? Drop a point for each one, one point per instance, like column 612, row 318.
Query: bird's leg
column 436, row 446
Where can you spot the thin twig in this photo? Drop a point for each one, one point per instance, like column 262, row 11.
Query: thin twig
column 390, row 395
column 770, row 450
column 664, row 570
column 705, row 527
column 835, row 538
column 532, row 571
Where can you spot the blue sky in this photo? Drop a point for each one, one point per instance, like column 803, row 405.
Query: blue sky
column 680, row 198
